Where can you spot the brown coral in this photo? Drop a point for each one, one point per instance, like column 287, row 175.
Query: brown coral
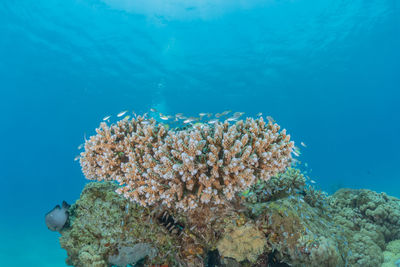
column 241, row 243
column 184, row 169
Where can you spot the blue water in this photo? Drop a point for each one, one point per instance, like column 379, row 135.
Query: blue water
column 326, row 70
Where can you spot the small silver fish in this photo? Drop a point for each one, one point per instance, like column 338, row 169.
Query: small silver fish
column 106, row 118
column 77, row 157
column 80, row 146
column 226, row 112
column 122, row 113
column 232, row 119
column 259, row 114
column 238, row 114
column 153, row 110
column 269, row 118
column 190, row 119
column 202, row 114
column 164, row 118
column 213, row 121
column 312, row 181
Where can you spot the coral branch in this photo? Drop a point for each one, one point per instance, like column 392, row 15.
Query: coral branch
column 185, row 168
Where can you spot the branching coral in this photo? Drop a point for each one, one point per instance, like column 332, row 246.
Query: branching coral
column 184, row 169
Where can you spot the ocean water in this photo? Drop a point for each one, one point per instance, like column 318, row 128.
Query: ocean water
column 328, row 71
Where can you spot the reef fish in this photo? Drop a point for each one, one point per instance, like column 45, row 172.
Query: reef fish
column 226, row 112
column 269, row 118
column 57, row 217
column 122, row 113
column 190, row 119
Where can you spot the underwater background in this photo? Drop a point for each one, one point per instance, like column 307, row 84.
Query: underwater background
column 327, row 71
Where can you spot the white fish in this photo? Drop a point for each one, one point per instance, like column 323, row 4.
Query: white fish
column 226, row 112
column 190, row 119
column 312, row 181
column 232, row 119
column 295, row 153
column 153, row 110
column 77, row 157
column 259, row 114
column 237, row 114
column 164, row 117
column 303, row 144
column 80, row 146
column 122, row 113
column 269, row 118
column 213, row 121
column 145, row 122
column 202, row 114
column 106, row 118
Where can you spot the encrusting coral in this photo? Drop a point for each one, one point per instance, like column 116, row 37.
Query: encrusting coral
column 206, row 164
column 241, row 243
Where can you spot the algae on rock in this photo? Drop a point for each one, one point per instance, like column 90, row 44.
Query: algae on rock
column 102, row 222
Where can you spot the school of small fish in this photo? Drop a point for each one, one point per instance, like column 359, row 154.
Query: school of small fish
column 179, row 117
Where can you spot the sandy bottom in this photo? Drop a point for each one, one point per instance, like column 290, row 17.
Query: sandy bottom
column 30, row 245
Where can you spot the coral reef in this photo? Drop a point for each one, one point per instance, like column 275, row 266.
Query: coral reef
column 217, row 195
column 201, row 165
column 287, row 227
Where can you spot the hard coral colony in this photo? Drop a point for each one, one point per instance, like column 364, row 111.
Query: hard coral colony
column 205, row 164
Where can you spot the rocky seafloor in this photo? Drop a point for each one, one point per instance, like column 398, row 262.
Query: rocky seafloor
column 281, row 222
